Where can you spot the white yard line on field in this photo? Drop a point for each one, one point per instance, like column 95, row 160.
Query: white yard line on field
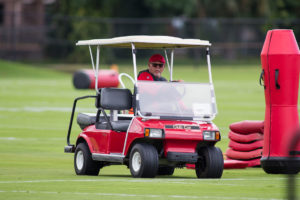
column 134, row 195
column 155, row 180
column 95, row 180
column 45, row 109
column 29, row 139
column 9, row 126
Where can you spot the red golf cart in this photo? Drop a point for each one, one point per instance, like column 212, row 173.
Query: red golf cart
column 171, row 125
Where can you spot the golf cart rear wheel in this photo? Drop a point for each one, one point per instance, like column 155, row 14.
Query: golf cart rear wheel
column 210, row 164
column 143, row 161
column 83, row 163
column 165, row 170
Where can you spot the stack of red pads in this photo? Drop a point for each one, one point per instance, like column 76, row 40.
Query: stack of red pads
column 245, row 146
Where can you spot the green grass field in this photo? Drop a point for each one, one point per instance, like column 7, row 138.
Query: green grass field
column 35, row 107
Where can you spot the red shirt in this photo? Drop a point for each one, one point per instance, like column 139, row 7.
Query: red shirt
column 147, row 76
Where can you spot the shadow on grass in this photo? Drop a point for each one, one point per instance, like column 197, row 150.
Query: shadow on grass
column 129, row 176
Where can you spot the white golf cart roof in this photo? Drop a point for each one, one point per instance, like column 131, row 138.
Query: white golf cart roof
column 145, row 41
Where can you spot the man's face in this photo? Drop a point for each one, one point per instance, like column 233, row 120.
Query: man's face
column 156, row 68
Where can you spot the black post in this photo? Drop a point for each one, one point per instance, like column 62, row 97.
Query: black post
column 291, row 181
column 72, row 116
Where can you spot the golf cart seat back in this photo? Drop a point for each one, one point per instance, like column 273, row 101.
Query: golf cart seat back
column 115, row 99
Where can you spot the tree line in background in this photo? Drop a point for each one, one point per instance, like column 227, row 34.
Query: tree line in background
column 171, row 8
column 86, row 19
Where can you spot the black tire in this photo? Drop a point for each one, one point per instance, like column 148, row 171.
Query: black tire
column 83, row 162
column 143, row 161
column 210, row 164
column 165, row 170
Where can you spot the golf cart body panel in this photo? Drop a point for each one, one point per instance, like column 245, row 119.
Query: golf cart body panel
column 178, row 136
column 171, row 125
column 103, row 141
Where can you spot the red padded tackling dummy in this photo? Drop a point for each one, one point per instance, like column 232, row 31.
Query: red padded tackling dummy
column 85, row 79
column 242, row 138
column 280, row 58
column 247, row 126
column 245, row 145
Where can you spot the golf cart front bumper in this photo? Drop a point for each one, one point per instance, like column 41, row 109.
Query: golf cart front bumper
column 182, row 157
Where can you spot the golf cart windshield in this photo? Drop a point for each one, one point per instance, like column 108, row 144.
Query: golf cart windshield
column 176, row 100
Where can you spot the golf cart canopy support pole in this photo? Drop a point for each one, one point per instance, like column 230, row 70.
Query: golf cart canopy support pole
column 170, row 67
column 166, row 55
column 211, row 82
column 134, row 61
column 95, row 68
column 209, row 65
column 172, row 58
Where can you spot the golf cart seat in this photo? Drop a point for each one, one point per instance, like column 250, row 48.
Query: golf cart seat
column 116, row 99
column 85, row 119
column 120, row 125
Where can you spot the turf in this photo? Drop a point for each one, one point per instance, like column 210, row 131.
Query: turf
column 35, row 106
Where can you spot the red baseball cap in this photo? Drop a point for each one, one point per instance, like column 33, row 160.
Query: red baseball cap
column 157, row 58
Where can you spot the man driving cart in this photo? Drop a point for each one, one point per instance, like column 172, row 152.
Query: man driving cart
column 156, row 66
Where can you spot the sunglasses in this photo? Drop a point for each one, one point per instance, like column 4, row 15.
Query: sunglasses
column 160, row 65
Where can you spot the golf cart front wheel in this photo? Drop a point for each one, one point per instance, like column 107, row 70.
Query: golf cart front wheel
column 83, row 162
column 143, row 161
column 210, row 164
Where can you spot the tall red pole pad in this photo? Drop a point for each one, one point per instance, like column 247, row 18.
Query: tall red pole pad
column 280, row 58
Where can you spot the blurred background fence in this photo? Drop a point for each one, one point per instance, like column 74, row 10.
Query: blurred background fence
column 38, row 36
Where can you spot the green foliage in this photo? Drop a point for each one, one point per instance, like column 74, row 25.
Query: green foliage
column 285, row 9
column 89, row 19
column 171, row 8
